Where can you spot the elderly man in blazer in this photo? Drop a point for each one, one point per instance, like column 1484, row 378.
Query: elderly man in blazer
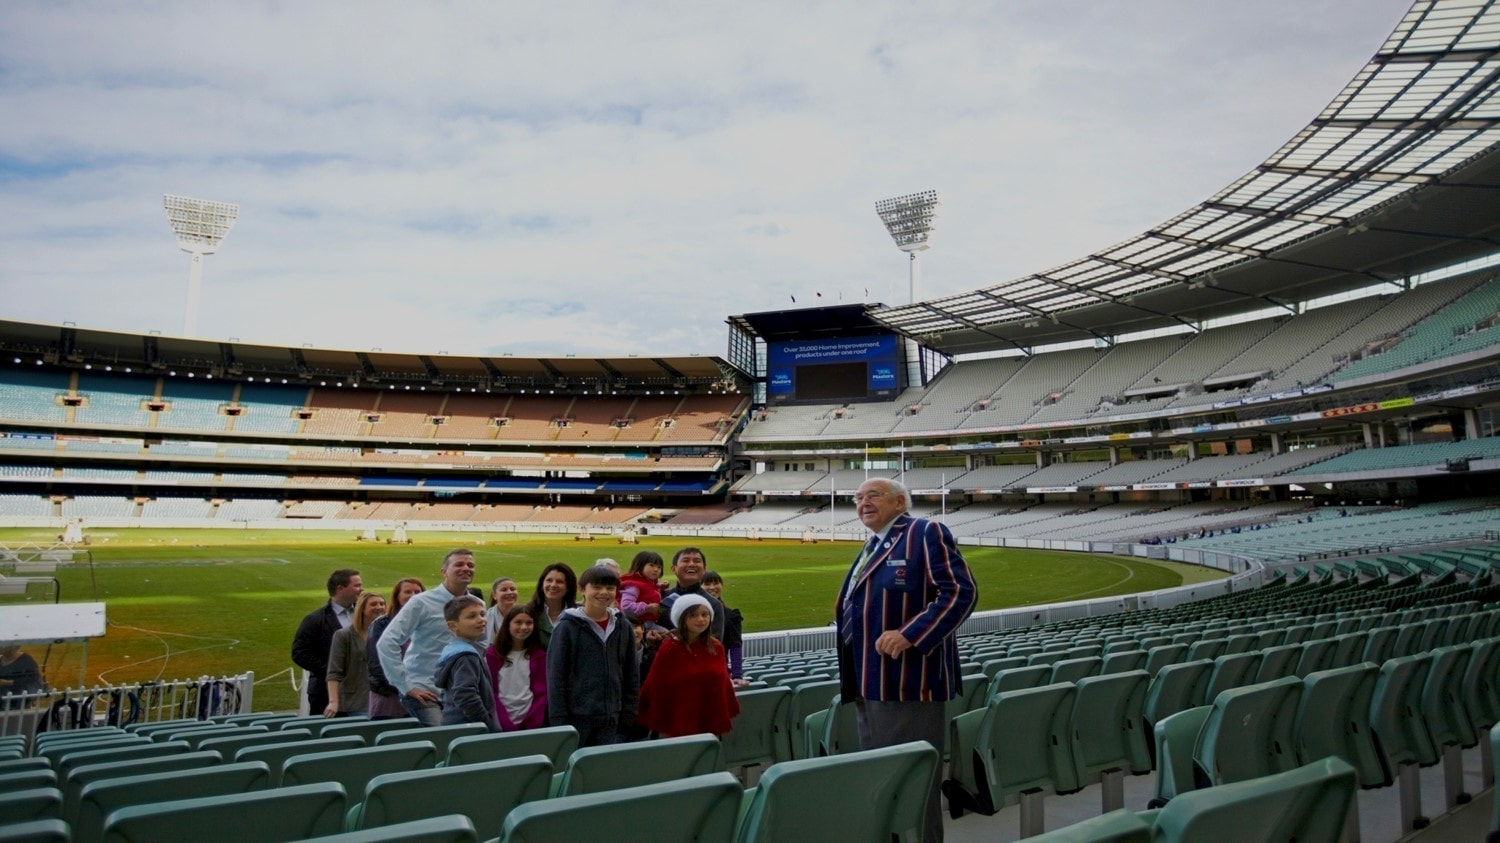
column 898, row 616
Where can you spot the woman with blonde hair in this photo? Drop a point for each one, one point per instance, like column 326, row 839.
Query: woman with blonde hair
column 348, row 665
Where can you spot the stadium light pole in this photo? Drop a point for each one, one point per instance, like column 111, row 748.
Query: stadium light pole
column 910, row 220
column 200, row 226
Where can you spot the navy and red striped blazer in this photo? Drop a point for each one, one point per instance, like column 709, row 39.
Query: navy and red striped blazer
column 919, row 584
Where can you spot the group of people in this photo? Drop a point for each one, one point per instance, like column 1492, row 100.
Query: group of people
column 616, row 656
column 631, row 659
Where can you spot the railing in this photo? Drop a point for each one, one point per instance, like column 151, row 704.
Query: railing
column 122, row 705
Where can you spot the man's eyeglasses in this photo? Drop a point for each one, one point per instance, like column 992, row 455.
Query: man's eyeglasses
column 870, row 496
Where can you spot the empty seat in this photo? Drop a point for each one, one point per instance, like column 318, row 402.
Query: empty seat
column 596, row 768
column 353, row 768
column 367, row 730
column 441, row 737
column 806, row 698
column 80, row 777
column 1175, row 688
column 1248, row 732
column 393, row 798
column 1122, row 661
column 759, row 731
column 1400, row 731
column 1072, row 670
column 35, row 831
column 450, row 828
column 1306, row 803
column 555, row 742
column 1108, row 734
column 700, row 808
column 229, row 745
column 1333, row 719
column 878, row 794
column 1016, row 678
column 1231, row 672
column 98, row 799
column 38, row 803
column 275, row 755
column 277, row 814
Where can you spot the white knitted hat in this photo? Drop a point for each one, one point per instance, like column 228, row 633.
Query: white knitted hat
column 688, row 601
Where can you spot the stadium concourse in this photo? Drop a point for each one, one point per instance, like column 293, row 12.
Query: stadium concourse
column 1294, row 381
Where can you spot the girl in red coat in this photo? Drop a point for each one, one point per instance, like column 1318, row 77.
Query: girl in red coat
column 688, row 689
column 640, row 592
column 518, row 672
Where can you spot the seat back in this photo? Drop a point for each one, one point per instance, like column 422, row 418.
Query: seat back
column 1396, row 712
column 194, row 738
column 67, row 762
column 441, row 737
column 1209, row 648
column 758, row 732
column 354, row 768
column 1306, row 803
column 701, row 808
column 1017, row 678
column 1349, row 650
column 1379, row 643
column 1334, row 719
column 1176, row 736
column 1249, row 731
column 27, row 779
column 1177, row 687
column 1448, row 724
column 1024, row 742
column 1480, row 699
column 1122, row 661
column 1072, row 670
column 285, row 813
column 596, row 768
column 1159, row 657
column 1278, row 662
column 228, row 745
column 1108, row 732
column 392, row 798
column 1231, row 672
column 37, row 803
column 80, row 777
column 990, row 667
column 368, row 730
column 1316, row 655
column 97, row 800
column 840, row 730
column 806, row 698
column 878, row 794
column 555, row 742
column 275, row 755
column 36, row 831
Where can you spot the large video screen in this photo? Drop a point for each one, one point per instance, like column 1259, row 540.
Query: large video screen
column 830, row 370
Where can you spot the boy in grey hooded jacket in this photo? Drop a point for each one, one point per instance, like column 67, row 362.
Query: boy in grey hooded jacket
column 468, row 696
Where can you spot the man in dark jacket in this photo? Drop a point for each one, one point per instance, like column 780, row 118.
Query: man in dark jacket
column 315, row 634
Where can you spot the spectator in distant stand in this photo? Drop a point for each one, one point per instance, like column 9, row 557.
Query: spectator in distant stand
column 315, row 635
column 504, row 595
column 423, row 630
column 348, row 665
column 385, row 700
column 19, row 675
column 556, row 592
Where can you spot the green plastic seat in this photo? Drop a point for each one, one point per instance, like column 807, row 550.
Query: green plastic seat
column 140, row 752
column 354, row 768
column 1349, row 650
column 28, row 779
column 260, row 816
column 80, row 777
column 147, row 727
column 1401, row 732
column 1176, row 687
column 812, row 732
column 1018, row 678
column 1248, row 733
column 1480, row 700
column 94, row 733
column 195, row 738
column 264, row 718
column 1306, row 803
column 98, row 799
column 555, row 742
column 1448, row 724
column 1047, row 658
column 451, row 828
column 36, row 831
column 1278, row 662
column 877, row 794
column 700, row 808
column 1175, row 737
column 22, row 765
column 1333, row 719
column 1124, row 661
column 1159, row 657
column 1019, row 746
column 228, row 745
column 1210, row 648
column 1072, row 670
column 1316, row 655
column 394, row 798
column 990, row 667
column 276, row 755
column 759, row 731
column 439, row 736
column 367, row 730
column 56, row 749
column 1231, row 672
column 311, row 722
column 598, row 768
column 37, row 803
column 1379, row 643
column 1108, row 732
column 840, row 730
column 806, row 699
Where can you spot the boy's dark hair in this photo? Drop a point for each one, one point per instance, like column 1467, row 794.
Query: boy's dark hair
column 644, row 558
column 455, row 607
column 712, row 576
column 599, row 575
column 504, row 642
column 340, row 578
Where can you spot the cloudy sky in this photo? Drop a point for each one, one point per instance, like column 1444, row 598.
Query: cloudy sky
column 607, row 178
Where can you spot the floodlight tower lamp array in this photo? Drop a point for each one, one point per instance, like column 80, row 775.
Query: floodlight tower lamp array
column 200, row 226
column 911, row 220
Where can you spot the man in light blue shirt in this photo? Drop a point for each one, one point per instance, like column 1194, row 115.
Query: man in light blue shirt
column 420, row 627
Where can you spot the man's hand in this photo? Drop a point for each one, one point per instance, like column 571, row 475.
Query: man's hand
column 891, row 644
column 423, row 696
column 332, row 710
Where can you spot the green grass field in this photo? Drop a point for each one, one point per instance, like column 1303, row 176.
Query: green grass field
column 187, row 603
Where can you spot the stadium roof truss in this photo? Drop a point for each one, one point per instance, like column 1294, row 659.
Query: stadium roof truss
column 1396, row 176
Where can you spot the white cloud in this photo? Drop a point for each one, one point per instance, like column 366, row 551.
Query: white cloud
column 612, row 178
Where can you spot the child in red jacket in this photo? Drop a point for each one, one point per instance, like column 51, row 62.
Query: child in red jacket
column 518, row 672
column 640, row 589
column 688, row 689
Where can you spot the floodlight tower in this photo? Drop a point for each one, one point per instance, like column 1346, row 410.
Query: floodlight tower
column 910, row 220
column 200, row 226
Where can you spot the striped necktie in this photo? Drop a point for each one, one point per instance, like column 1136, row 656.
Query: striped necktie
column 847, row 619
